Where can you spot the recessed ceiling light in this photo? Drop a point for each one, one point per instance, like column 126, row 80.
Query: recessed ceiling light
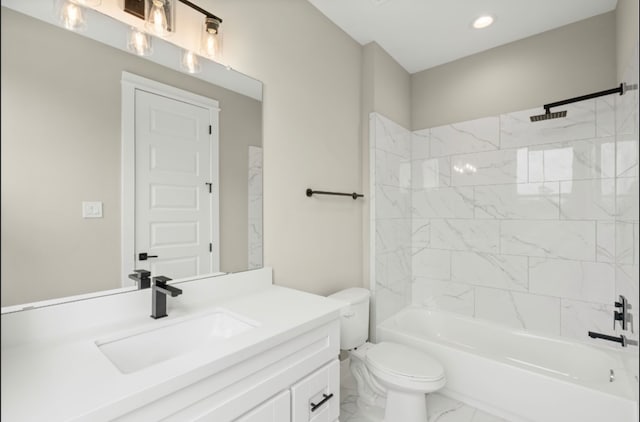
column 483, row 22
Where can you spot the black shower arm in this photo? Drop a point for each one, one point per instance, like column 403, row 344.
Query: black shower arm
column 618, row 90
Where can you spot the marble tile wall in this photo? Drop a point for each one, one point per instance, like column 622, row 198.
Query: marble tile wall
column 626, row 246
column 255, row 208
column 530, row 225
column 390, row 157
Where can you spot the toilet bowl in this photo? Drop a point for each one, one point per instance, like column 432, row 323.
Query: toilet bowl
column 389, row 375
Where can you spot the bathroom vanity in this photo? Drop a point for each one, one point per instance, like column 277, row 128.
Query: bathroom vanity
column 233, row 347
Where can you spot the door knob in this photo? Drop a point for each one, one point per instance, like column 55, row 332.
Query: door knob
column 143, row 256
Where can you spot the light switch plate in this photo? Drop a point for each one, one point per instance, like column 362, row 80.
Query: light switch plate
column 92, row 209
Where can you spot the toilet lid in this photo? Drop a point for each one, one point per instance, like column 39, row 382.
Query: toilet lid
column 405, row 361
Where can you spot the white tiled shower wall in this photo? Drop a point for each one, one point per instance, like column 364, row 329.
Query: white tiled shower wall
column 531, row 225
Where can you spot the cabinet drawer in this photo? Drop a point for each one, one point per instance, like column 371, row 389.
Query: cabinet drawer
column 275, row 409
column 316, row 398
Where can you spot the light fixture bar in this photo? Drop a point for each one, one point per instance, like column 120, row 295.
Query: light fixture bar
column 201, row 10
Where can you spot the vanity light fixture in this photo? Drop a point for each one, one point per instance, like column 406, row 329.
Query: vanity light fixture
column 483, row 22
column 190, row 62
column 159, row 16
column 139, row 42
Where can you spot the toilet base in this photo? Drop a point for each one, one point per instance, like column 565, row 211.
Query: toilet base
column 405, row 407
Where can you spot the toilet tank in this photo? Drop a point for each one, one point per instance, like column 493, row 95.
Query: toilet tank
column 354, row 317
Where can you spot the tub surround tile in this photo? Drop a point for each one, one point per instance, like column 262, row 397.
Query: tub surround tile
column 443, row 203
column 465, row 235
column 470, row 136
column 627, row 156
column 392, row 202
column 516, row 129
column 518, row 201
column 625, row 242
column 391, row 299
column 392, row 169
column 627, row 198
column 518, row 310
column 420, row 233
column 420, row 144
column 490, row 270
column 588, row 199
column 586, row 281
column 431, row 263
column 587, row 159
column 443, row 295
column 492, row 167
column 578, row 318
column 605, row 241
column 392, row 234
column 430, row 173
column 552, row 239
column 393, row 266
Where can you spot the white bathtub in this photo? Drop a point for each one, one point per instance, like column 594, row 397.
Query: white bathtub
column 517, row 375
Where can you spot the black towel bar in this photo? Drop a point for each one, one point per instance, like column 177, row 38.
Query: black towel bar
column 353, row 195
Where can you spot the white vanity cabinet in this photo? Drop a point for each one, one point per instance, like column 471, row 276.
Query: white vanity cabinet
column 315, row 398
column 276, row 409
column 298, row 371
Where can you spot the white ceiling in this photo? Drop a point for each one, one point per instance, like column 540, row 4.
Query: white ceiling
column 420, row 34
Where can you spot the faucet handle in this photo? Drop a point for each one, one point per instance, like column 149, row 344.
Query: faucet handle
column 622, row 303
column 142, row 278
column 161, row 280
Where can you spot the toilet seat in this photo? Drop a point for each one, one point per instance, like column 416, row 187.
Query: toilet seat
column 405, row 368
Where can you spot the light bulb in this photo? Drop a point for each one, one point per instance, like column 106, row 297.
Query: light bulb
column 157, row 19
column 190, row 62
column 211, row 45
column 72, row 16
column 139, row 43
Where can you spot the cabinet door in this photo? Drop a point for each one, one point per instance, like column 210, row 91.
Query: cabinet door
column 316, row 398
column 276, row 409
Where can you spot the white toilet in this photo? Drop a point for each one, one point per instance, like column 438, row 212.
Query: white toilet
column 401, row 373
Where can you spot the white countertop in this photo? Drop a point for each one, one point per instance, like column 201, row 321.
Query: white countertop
column 62, row 375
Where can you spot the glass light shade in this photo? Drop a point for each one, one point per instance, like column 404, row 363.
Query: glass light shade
column 211, row 43
column 71, row 15
column 159, row 17
column 139, row 43
column 190, row 62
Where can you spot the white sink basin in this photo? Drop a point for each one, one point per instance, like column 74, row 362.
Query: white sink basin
column 136, row 350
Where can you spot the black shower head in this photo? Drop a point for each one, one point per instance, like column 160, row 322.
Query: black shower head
column 549, row 115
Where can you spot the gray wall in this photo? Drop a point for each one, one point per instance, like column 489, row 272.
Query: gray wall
column 565, row 62
column 311, row 75
column 61, row 146
column 626, row 34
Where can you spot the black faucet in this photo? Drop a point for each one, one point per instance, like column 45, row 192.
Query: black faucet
column 622, row 339
column 159, row 292
column 142, row 278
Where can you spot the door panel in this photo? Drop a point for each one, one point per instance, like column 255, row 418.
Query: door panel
column 173, row 203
